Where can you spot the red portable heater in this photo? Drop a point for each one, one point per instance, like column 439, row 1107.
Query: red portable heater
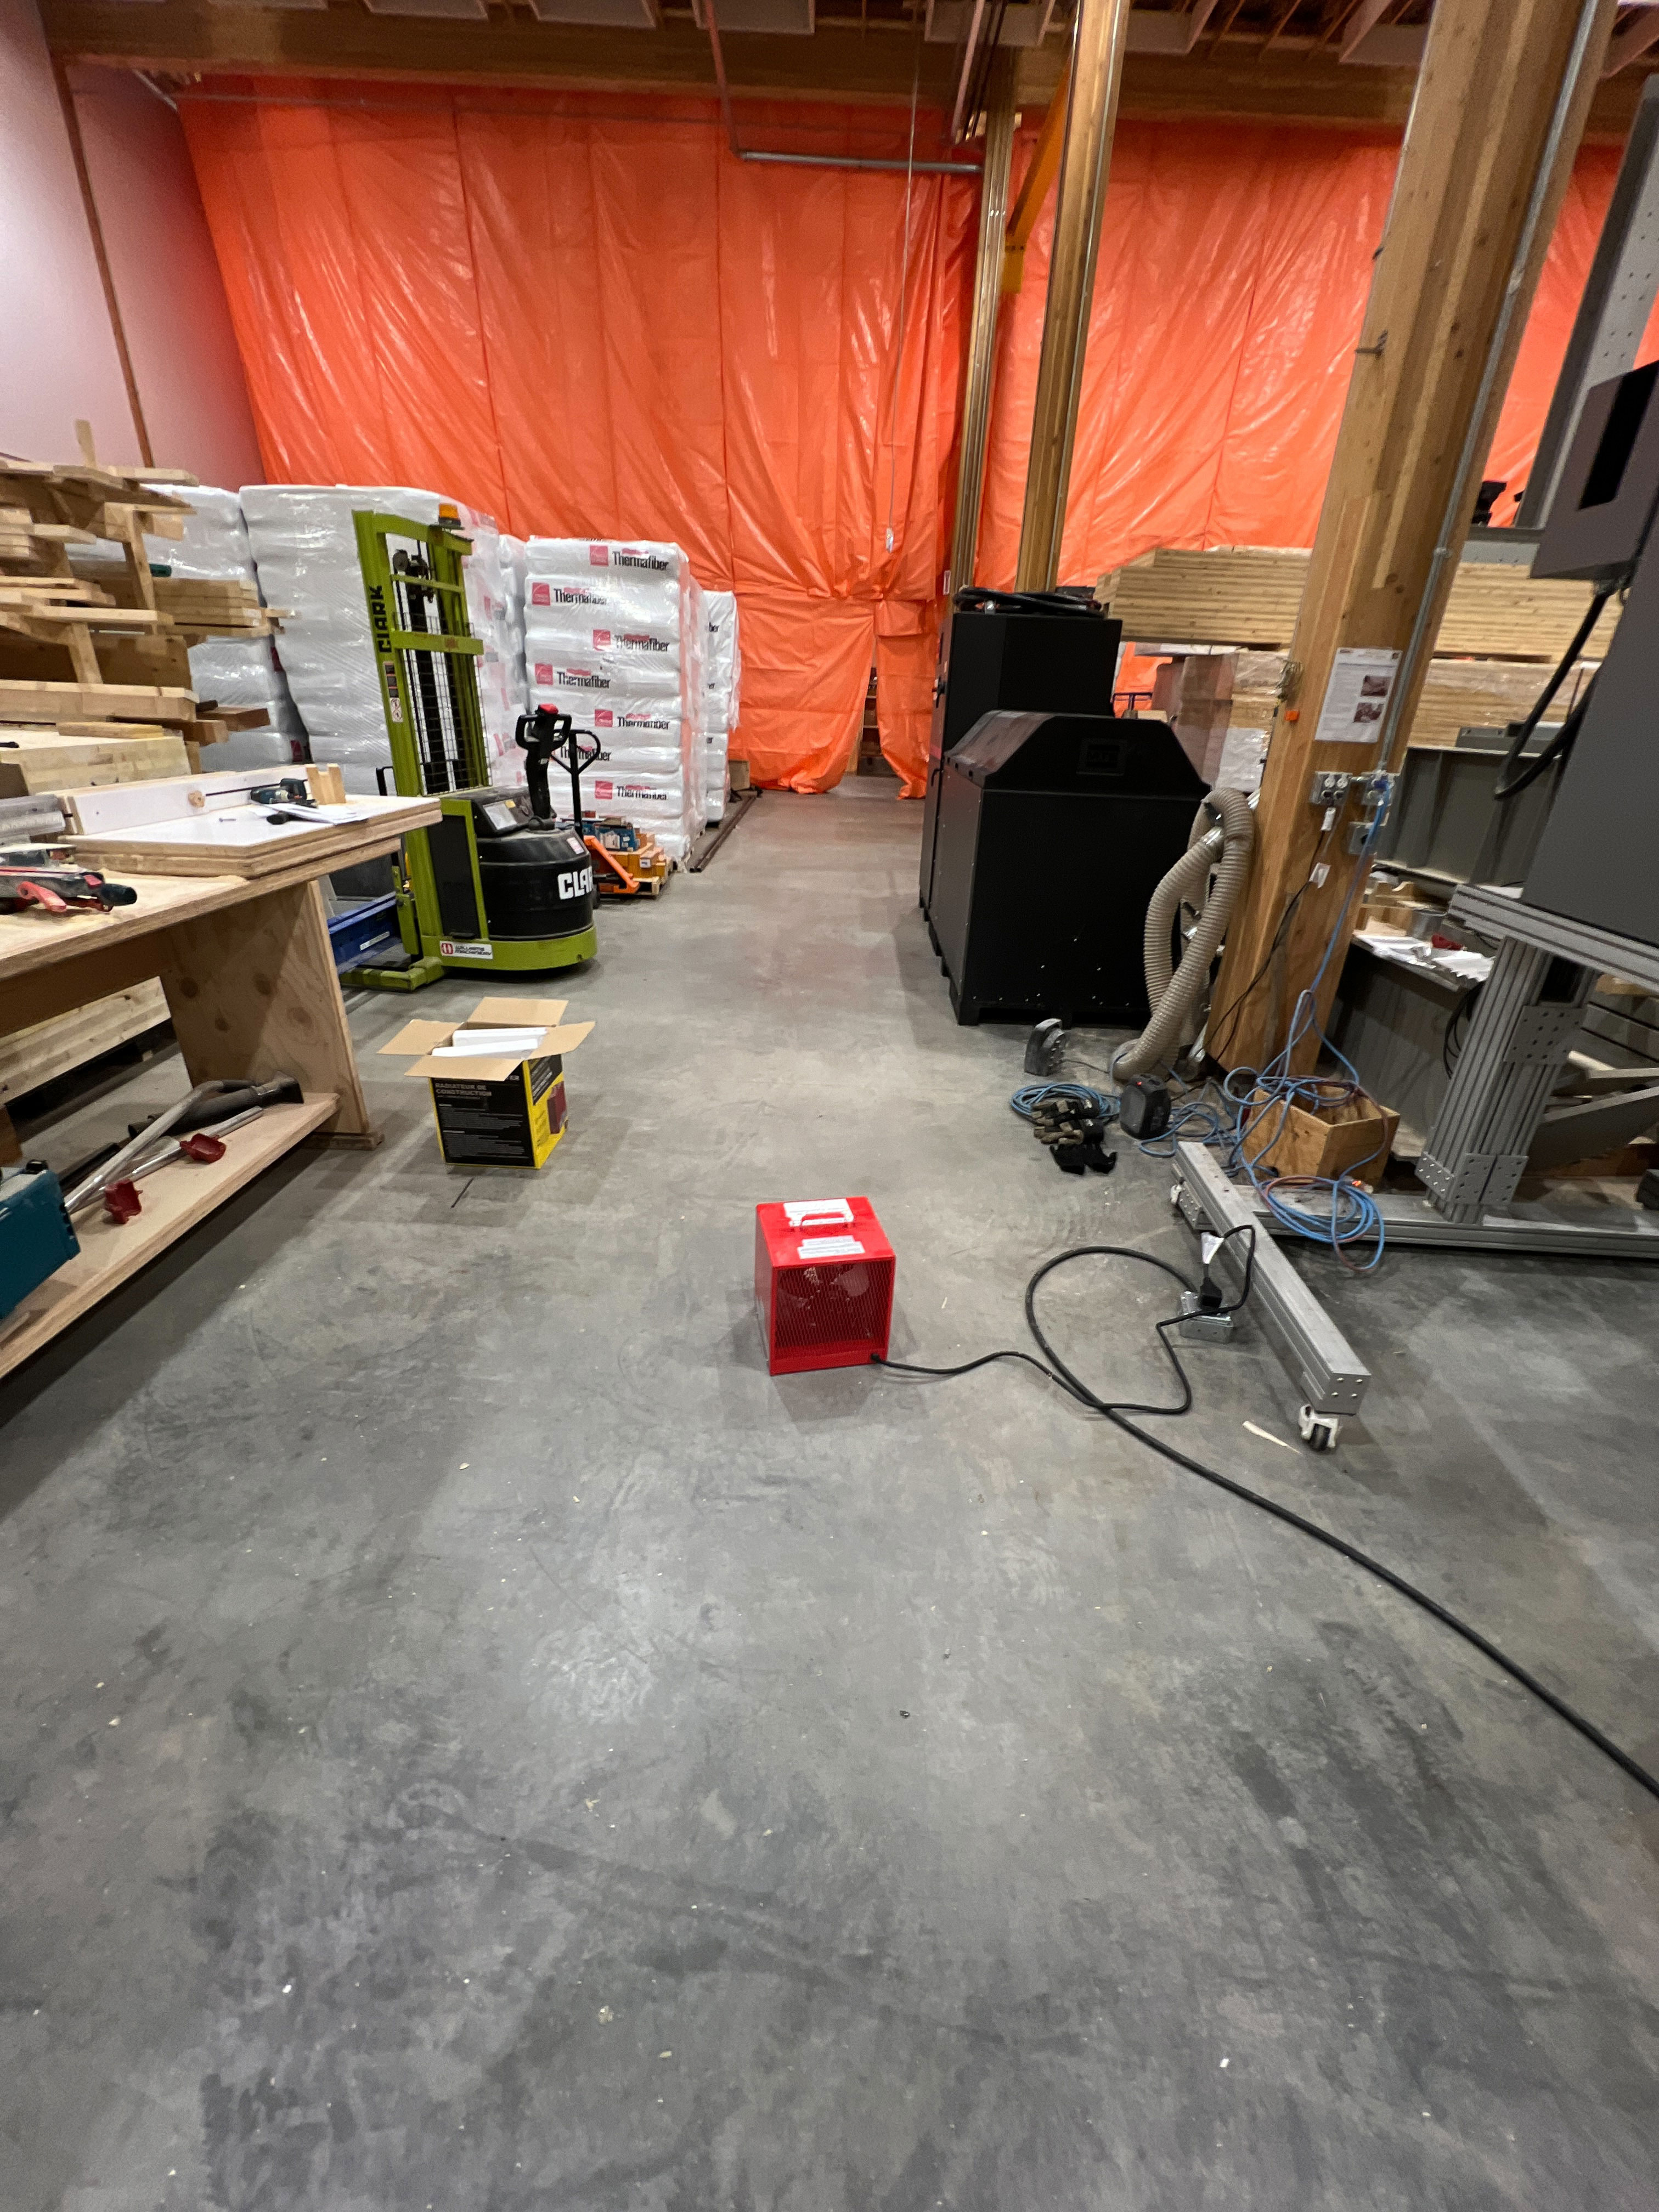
column 823, row 1283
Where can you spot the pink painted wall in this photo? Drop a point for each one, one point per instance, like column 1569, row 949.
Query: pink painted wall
column 57, row 359
column 183, row 353
column 57, row 356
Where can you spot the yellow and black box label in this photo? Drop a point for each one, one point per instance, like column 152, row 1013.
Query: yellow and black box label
column 512, row 1124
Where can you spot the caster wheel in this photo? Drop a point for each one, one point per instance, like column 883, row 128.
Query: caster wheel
column 1319, row 1430
column 1174, row 1197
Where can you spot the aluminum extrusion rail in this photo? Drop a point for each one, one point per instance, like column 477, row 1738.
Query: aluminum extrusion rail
column 1329, row 1373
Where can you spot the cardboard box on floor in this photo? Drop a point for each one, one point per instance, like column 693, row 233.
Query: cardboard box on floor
column 495, row 1112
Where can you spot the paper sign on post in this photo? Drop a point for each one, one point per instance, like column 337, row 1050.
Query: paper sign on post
column 1357, row 696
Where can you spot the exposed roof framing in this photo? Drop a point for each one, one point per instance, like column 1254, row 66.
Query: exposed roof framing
column 1339, row 62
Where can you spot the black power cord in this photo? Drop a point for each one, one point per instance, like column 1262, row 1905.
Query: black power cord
column 983, row 599
column 1511, row 776
column 1118, row 1410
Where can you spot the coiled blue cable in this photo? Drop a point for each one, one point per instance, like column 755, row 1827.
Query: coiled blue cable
column 1329, row 1210
column 1025, row 1101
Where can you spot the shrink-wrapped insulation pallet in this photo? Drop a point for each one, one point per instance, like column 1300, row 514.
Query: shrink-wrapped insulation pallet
column 720, row 712
column 616, row 637
column 494, row 601
column 232, row 672
column 304, row 549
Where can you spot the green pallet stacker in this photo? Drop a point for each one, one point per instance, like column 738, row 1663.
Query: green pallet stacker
column 491, row 886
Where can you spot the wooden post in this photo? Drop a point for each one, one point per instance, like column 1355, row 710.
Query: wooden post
column 1484, row 163
column 1099, row 33
column 987, row 295
column 1040, row 173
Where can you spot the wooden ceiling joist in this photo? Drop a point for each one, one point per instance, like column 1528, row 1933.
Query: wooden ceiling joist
column 1310, row 62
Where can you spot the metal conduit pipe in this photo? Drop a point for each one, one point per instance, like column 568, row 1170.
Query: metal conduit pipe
column 1224, row 829
column 857, row 161
column 742, row 153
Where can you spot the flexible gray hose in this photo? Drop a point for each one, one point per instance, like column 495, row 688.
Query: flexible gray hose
column 1223, row 825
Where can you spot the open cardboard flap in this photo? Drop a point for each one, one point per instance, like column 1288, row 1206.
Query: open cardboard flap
column 422, row 1038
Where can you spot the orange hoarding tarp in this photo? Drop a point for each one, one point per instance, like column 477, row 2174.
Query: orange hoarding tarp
column 581, row 313
column 594, row 322
column 1234, row 267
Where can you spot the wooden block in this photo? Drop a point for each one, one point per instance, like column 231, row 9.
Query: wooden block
column 38, row 1054
column 327, row 781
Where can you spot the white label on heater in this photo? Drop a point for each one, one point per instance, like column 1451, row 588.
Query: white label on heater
column 831, row 1247
column 449, row 948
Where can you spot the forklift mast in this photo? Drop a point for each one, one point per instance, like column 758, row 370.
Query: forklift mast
column 424, row 650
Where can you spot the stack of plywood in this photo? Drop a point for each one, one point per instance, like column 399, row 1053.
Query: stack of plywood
column 1251, row 597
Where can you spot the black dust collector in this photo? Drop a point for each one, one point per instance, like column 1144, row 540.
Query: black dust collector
column 1054, row 831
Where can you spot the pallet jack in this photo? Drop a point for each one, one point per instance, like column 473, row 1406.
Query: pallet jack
column 627, row 861
column 494, row 886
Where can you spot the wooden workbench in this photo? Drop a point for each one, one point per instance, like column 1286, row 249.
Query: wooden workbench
column 248, row 972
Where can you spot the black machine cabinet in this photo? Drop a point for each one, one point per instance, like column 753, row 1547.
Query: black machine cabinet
column 1060, row 664
column 1595, row 860
column 1054, row 831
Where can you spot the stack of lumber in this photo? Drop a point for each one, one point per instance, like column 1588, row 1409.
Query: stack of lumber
column 217, row 607
column 45, row 1050
column 1486, row 694
column 1251, row 596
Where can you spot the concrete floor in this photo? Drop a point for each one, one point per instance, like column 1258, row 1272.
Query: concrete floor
column 472, row 1739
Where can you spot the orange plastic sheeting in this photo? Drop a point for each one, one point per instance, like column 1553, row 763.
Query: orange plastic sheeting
column 906, row 658
column 593, row 321
column 1233, row 274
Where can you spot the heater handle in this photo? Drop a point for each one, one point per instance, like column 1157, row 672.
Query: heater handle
column 817, row 1213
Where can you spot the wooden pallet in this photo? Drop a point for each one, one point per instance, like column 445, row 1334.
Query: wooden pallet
column 102, row 626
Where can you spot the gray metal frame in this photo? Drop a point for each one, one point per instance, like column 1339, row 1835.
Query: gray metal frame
column 1528, row 1013
column 1330, row 1374
column 1522, row 1031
